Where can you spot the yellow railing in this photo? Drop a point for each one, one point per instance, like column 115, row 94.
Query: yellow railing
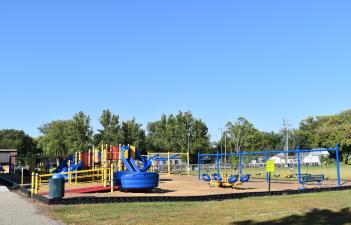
column 104, row 175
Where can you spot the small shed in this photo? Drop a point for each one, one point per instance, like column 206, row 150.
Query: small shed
column 5, row 155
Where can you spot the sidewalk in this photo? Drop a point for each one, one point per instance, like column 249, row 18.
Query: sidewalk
column 16, row 211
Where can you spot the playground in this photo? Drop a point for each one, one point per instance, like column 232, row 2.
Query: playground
column 122, row 171
column 175, row 185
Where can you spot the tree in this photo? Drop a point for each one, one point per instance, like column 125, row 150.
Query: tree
column 133, row 134
column 242, row 135
column 79, row 133
column 54, row 137
column 326, row 131
column 111, row 132
column 173, row 133
column 17, row 139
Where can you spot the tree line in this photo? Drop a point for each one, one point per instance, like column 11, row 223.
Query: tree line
column 177, row 133
column 170, row 133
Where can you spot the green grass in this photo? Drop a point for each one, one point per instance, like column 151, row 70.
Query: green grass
column 318, row 208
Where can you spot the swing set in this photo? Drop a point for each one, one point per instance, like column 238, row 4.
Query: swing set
column 302, row 178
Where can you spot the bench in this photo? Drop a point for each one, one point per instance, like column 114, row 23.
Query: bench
column 308, row 178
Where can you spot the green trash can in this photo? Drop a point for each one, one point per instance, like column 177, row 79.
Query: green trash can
column 57, row 186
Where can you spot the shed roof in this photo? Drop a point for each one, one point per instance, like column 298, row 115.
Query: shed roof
column 8, row 150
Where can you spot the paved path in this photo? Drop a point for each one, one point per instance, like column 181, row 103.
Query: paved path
column 14, row 210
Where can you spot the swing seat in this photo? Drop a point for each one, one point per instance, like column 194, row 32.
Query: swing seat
column 233, row 179
column 245, row 178
column 216, row 177
column 206, row 177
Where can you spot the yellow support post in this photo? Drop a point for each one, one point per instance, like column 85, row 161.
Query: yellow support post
column 111, row 178
column 104, row 175
column 36, row 184
column 102, row 153
column 120, row 166
column 93, row 158
column 106, row 152
column 33, row 183
column 169, row 164
column 93, row 173
column 76, row 178
column 69, row 172
column 89, row 158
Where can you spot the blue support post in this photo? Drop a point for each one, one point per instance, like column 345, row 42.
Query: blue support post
column 266, row 157
column 198, row 164
column 217, row 162
column 298, row 166
column 337, row 164
column 240, row 164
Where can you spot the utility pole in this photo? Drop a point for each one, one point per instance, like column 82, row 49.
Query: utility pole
column 225, row 147
column 287, row 137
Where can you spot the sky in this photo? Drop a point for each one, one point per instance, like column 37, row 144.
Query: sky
column 264, row 60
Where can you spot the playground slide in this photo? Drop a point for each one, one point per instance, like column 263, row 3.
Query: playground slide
column 134, row 177
column 129, row 162
column 62, row 165
column 147, row 162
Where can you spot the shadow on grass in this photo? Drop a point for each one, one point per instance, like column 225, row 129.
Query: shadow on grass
column 316, row 216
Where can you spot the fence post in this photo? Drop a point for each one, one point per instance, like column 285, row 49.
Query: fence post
column 198, row 164
column 337, row 164
column 169, row 164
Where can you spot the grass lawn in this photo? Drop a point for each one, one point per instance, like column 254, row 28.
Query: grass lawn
column 319, row 208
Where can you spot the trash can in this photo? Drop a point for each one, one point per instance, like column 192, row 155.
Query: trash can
column 57, row 186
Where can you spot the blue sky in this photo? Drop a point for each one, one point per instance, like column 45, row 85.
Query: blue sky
column 264, row 60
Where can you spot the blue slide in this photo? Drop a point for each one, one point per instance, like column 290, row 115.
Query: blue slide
column 63, row 164
column 147, row 162
column 135, row 178
column 63, row 167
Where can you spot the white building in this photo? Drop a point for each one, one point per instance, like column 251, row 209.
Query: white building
column 305, row 157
